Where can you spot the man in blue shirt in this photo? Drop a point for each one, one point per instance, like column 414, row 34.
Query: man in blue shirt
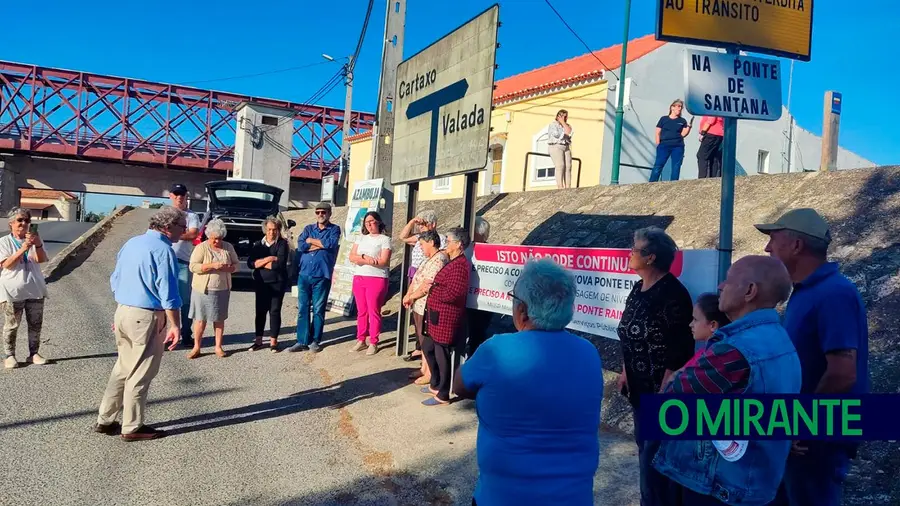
column 145, row 285
column 826, row 320
column 538, row 442
column 317, row 249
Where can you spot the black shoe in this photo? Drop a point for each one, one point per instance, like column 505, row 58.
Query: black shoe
column 110, row 429
column 144, row 432
column 297, row 347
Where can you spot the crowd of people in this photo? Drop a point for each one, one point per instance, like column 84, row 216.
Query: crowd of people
column 537, row 442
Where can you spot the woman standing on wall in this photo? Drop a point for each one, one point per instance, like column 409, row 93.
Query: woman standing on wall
column 559, row 145
column 372, row 255
column 670, row 133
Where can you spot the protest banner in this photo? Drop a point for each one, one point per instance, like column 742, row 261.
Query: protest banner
column 602, row 279
column 366, row 197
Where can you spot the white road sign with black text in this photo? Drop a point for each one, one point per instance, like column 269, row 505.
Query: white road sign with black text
column 732, row 86
column 443, row 104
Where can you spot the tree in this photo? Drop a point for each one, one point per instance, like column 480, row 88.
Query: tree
column 156, row 205
column 93, row 217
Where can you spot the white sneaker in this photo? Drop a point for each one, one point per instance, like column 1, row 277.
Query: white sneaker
column 37, row 359
column 372, row 350
column 10, row 362
column 359, row 346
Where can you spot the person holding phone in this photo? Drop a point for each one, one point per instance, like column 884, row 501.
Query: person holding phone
column 670, row 133
column 212, row 263
column 22, row 287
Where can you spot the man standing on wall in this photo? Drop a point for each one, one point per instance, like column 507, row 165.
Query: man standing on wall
column 317, row 249
column 826, row 320
column 183, row 248
column 709, row 156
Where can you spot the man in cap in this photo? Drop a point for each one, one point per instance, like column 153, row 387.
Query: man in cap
column 826, row 319
column 317, row 249
column 183, row 248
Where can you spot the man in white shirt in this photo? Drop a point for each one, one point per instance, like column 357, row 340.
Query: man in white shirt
column 183, row 249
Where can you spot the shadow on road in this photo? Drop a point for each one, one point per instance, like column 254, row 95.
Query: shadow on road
column 334, row 396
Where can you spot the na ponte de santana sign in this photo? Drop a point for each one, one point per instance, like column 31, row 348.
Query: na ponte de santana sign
column 443, row 102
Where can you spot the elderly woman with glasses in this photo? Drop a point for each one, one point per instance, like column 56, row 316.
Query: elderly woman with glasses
column 268, row 260
column 655, row 335
column 538, row 393
column 22, row 287
column 212, row 262
column 417, row 295
column 445, row 315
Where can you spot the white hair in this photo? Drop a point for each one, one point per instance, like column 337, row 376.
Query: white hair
column 216, row 228
column 166, row 217
column 482, row 227
column 16, row 212
column 548, row 291
column 429, row 217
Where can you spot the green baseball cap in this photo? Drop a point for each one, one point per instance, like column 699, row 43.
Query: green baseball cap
column 805, row 220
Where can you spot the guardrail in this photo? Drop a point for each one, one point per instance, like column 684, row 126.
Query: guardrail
column 535, row 153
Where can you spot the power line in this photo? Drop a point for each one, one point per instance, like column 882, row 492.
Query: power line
column 270, row 72
column 362, row 35
column 580, row 39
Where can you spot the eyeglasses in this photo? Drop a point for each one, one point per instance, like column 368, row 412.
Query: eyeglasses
column 641, row 251
column 321, row 213
column 513, row 296
column 23, row 220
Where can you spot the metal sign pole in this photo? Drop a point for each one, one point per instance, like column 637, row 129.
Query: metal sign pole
column 726, row 210
column 404, row 314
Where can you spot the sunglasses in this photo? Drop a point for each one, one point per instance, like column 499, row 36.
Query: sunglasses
column 321, row 213
column 23, row 220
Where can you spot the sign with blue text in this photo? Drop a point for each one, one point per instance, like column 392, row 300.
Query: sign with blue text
column 732, row 86
column 443, row 102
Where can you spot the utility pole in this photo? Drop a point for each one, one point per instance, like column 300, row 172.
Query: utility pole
column 341, row 191
column 382, row 136
column 620, row 107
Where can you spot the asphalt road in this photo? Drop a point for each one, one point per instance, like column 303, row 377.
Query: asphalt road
column 59, row 234
column 253, row 428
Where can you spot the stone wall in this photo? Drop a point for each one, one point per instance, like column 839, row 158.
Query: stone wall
column 863, row 207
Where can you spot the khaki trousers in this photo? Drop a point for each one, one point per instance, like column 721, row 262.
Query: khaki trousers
column 139, row 340
column 561, row 154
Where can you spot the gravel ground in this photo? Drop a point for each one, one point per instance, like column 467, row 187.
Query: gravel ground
column 254, row 428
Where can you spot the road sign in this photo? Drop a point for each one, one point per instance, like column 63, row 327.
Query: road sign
column 776, row 27
column 443, row 103
column 732, row 86
column 327, row 189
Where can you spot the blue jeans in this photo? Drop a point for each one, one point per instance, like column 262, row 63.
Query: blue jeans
column 663, row 153
column 311, row 291
column 184, row 289
column 815, row 478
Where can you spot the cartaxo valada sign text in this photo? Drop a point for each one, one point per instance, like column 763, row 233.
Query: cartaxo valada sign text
column 732, row 86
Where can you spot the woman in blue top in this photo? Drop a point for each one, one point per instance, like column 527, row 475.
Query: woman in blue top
column 670, row 133
column 538, row 443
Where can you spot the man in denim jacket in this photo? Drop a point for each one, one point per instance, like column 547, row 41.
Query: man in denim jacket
column 762, row 360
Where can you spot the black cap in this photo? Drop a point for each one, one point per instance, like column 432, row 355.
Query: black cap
column 178, row 189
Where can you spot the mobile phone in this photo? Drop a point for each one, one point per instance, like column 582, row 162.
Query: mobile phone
column 33, row 228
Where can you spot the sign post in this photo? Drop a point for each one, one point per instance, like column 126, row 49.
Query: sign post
column 442, row 125
column 731, row 85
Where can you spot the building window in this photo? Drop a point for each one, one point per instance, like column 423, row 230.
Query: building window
column 762, row 162
column 441, row 185
column 270, row 120
column 542, row 171
column 496, row 164
column 45, row 214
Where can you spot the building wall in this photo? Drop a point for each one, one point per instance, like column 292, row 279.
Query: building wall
column 655, row 81
column 59, row 210
column 520, row 128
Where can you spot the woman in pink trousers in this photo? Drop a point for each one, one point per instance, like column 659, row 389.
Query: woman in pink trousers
column 372, row 255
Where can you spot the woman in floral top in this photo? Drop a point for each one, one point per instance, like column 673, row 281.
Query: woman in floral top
column 417, row 295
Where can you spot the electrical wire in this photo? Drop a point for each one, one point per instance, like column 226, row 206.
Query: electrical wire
column 362, row 35
column 579, row 38
column 258, row 74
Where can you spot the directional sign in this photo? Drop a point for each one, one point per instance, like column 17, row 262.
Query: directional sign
column 443, row 103
column 775, row 27
column 732, row 86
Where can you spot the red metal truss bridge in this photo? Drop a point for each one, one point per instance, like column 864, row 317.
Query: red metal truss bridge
column 64, row 113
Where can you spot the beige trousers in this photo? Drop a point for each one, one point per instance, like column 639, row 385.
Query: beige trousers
column 561, row 154
column 139, row 340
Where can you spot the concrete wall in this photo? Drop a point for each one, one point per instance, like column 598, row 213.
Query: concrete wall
column 656, row 80
column 262, row 146
column 102, row 177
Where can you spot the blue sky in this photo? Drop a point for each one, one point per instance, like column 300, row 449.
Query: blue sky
column 205, row 40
